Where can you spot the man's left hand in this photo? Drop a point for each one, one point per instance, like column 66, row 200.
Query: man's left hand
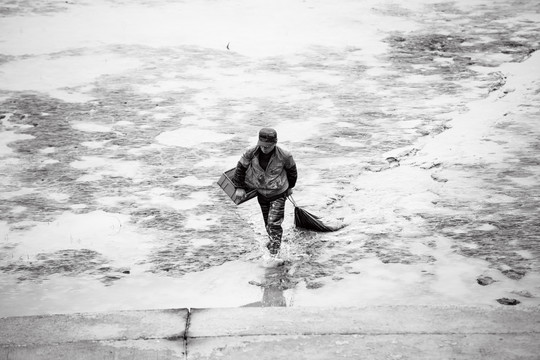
column 289, row 192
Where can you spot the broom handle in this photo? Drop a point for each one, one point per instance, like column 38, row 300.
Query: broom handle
column 292, row 200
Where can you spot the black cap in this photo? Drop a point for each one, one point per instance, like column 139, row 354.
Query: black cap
column 267, row 137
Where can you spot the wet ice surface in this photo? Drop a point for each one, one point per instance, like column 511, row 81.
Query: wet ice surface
column 108, row 194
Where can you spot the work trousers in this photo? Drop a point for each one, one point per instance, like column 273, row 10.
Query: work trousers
column 273, row 212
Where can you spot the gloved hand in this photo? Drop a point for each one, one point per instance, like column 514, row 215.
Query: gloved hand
column 240, row 193
column 289, row 192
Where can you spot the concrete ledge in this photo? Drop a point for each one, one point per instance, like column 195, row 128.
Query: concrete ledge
column 363, row 320
column 355, row 347
column 121, row 325
column 380, row 332
column 93, row 350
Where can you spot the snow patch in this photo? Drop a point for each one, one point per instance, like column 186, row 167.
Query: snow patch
column 191, row 137
column 52, row 74
column 91, row 127
column 107, row 167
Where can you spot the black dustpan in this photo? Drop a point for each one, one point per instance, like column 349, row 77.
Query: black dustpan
column 306, row 220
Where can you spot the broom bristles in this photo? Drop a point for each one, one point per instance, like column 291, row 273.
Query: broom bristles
column 306, row 220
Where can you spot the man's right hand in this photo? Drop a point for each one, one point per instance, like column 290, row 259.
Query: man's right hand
column 240, row 193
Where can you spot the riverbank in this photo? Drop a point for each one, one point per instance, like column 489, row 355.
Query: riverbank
column 396, row 332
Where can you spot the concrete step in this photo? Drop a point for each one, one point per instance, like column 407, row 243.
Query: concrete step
column 373, row 332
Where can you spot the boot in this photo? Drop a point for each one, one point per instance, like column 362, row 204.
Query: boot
column 273, row 246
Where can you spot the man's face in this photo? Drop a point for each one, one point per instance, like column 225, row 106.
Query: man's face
column 267, row 149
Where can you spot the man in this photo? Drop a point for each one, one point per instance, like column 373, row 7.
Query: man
column 270, row 170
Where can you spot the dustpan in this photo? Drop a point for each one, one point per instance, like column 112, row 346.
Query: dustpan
column 227, row 185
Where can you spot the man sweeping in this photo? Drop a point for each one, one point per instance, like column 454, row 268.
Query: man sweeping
column 270, row 170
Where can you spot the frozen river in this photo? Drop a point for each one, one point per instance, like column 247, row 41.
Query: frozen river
column 117, row 119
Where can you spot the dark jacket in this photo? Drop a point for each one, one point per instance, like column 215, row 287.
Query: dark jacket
column 280, row 173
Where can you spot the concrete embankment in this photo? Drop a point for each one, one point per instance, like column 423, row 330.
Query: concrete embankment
column 385, row 332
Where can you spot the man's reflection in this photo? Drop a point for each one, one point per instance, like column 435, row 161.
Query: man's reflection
column 276, row 281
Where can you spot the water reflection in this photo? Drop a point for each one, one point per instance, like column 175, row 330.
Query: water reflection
column 273, row 296
column 276, row 281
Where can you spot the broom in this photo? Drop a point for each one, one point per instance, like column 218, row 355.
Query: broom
column 306, row 220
